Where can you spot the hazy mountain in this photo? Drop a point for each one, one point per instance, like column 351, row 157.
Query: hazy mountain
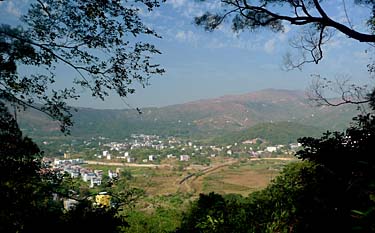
column 201, row 118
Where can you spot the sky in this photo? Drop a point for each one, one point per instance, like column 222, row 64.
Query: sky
column 201, row 64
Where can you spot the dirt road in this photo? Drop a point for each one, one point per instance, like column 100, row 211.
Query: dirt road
column 126, row 164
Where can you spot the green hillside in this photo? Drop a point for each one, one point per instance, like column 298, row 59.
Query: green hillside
column 275, row 133
column 204, row 118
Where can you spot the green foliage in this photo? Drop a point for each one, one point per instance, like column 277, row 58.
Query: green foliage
column 96, row 39
column 87, row 218
column 215, row 213
column 27, row 191
column 163, row 214
column 23, row 193
column 346, row 167
column 126, row 174
column 311, row 15
column 275, row 133
column 117, row 124
column 331, row 191
column 161, row 220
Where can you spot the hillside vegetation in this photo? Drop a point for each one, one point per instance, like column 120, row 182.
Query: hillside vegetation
column 205, row 118
column 275, row 133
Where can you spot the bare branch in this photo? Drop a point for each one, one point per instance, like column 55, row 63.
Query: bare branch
column 248, row 15
column 346, row 15
column 341, row 86
column 309, row 42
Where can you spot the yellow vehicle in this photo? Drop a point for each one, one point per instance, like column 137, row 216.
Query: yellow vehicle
column 103, row 199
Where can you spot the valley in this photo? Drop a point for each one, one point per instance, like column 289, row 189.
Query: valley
column 165, row 158
column 199, row 119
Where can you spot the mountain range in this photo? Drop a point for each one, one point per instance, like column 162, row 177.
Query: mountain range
column 209, row 117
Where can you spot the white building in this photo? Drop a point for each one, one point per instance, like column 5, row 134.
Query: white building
column 69, row 204
column 88, row 176
column 271, row 148
column 112, row 174
column 184, row 157
column 130, row 160
column 295, row 145
column 95, row 181
column 74, row 174
column 151, row 157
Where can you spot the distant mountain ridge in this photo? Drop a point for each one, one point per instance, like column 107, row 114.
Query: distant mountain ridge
column 199, row 118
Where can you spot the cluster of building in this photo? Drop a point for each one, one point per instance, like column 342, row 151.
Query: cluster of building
column 137, row 141
column 75, row 170
column 271, row 149
column 170, row 148
column 121, row 150
column 188, row 148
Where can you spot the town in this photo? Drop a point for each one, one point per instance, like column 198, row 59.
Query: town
column 151, row 151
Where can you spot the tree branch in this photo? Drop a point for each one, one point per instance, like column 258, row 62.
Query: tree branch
column 324, row 20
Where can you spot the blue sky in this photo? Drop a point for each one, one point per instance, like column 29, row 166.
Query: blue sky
column 202, row 64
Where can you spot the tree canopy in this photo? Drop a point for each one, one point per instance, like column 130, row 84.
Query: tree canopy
column 318, row 26
column 331, row 190
column 103, row 42
column 31, row 193
column 274, row 14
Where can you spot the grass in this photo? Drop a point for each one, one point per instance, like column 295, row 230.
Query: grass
column 242, row 178
column 163, row 191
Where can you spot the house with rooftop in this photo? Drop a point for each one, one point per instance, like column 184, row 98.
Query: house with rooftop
column 184, row 157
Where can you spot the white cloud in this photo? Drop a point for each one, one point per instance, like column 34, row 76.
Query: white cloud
column 284, row 35
column 181, row 36
column 216, row 44
column 269, row 46
column 12, row 9
column 362, row 56
column 191, row 8
column 187, row 36
column 177, row 3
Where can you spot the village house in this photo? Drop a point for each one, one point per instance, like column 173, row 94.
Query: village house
column 184, row 157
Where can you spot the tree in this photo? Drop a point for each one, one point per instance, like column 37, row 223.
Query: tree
column 346, row 168
column 318, row 27
column 215, row 213
column 98, row 40
column 333, row 190
column 249, row 15
column 28, row 188
column 24, row 192
column 348, row 92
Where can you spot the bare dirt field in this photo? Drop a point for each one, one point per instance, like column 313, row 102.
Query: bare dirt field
column 241, row 177
column 229, row 176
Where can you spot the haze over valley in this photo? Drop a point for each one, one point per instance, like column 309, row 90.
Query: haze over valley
column 210, row 117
